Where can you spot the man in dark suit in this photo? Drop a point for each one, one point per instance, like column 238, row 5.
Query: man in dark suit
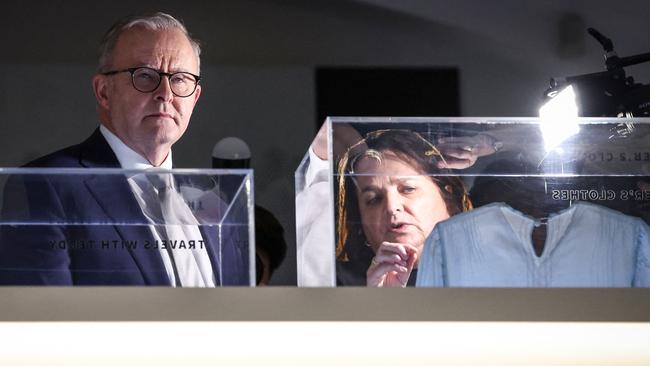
column 146, row 88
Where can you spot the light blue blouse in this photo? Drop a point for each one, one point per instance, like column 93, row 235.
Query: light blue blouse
column 587, row 245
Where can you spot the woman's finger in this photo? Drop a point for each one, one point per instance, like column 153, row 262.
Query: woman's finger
column 394, row 248
column 381, row 274
column 390, row 258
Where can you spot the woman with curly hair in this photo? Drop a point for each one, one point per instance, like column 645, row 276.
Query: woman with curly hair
column 392, row 191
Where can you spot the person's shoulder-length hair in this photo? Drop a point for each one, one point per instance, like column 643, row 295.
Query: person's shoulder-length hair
column 409, row 147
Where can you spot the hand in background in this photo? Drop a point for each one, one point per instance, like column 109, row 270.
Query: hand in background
column 344, row 136
column 462, row 152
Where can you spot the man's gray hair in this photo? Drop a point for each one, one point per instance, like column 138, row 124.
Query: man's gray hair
column 155, row 21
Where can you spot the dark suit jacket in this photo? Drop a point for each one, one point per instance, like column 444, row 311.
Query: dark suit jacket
column 102, row 254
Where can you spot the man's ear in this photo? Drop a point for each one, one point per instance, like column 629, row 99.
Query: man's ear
column 197, row 94
column 100, row 88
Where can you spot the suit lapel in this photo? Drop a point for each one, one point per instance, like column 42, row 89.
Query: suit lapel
column 113, row 194
column 222, row 242
column 210, row 235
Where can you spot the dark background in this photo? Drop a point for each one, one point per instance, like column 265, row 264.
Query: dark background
column 260, row 61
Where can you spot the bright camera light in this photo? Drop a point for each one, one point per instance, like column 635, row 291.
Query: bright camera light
column 559, row 118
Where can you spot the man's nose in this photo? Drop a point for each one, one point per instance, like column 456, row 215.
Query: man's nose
column 164, row 91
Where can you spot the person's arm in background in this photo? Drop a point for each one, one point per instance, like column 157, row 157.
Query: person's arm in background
column 461, row 152
column 315, row 211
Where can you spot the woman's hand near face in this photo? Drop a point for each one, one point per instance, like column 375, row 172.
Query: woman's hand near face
column 392, row 265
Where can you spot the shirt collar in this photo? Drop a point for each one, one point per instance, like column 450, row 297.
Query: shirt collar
column 128, row 158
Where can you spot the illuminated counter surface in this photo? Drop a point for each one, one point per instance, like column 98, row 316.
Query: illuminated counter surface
column 322, row 304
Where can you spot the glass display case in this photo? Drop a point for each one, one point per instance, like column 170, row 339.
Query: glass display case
column 475, row 202
column 114, row 227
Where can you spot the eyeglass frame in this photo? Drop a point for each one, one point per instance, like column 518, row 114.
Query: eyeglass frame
column 132, row 70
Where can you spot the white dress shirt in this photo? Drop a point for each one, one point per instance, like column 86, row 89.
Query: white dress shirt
column 193, row 264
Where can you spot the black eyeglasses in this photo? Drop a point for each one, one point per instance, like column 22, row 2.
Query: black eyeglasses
column 146, row 80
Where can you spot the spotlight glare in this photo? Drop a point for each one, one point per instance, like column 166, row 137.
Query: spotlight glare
column 559, row 118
